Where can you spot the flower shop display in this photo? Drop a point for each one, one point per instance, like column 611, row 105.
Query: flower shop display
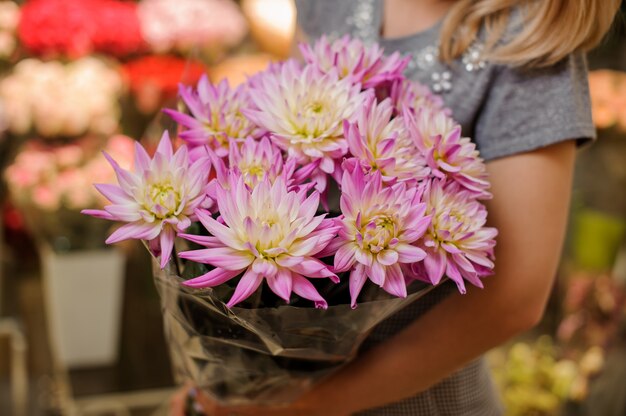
column 75, row 28
column 593, row 308
column 300, row 209
column 83, row 293
column 154, row 79
column 9, row 18
column 182, row 25
column 608, row 98
column 75, row 75
column 50, row 184
column 535, row 381
column 52, row 99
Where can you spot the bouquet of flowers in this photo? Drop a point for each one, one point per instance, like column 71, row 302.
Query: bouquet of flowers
column 334, row 183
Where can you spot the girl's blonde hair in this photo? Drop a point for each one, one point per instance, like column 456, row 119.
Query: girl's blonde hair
column 548, row 31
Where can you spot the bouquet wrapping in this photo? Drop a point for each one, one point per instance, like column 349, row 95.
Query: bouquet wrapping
column 301, row 209
column 257, row 354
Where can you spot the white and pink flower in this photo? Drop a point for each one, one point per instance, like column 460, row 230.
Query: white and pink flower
column 303, row 111
column 412, row 95
column 361, row 64
column 378, row 230
column 158, row 199
column 447, row 154
column 216, row 116
column 381, row 143
column 458, row 243
column 268, row 233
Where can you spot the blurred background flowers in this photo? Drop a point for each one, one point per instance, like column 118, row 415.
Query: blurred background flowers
column 81, row 76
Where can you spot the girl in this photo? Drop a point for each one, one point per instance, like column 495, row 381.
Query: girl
column 513, row 74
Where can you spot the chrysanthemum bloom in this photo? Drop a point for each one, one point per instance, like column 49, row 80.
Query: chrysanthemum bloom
column 304, row 110
column 255, row 160
column 457, row 242
column 266, row 233
column 158, row 199
column 378, row 230
column 408, row 94
column 361, row 64
column 448, row 155
column 216, row 116
column 381, row 143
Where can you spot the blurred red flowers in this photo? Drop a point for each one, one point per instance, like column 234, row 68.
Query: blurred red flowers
column 153, row 79
column 74, row 28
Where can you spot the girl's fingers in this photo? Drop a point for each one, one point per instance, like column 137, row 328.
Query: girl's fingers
column 177, row 402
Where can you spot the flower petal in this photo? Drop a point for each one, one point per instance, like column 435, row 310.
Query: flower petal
column 223, row 257
column 409, row 254
column 305, row 289
column 281, row 283
column 167, row 244
column 387, row 257
column 249, row 283
column 211, row 279
column 135, row 230
column 376, row 273
column 435, row 265
column 223, row 233
column 344, row 257
column 264, row 267
column 356, row 281
column 395, row 283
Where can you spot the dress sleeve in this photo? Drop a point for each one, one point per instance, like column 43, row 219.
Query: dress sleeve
column 529, row 109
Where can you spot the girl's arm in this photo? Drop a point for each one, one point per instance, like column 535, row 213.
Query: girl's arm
column 530, row 206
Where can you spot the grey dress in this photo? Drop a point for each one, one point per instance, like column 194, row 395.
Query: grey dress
column 505, row 111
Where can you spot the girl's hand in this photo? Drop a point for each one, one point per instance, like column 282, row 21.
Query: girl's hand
column 210, row 407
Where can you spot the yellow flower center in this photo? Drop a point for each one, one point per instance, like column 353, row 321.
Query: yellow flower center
column 316, row 107
column 253, row 170
column 378, row 232
column 163, row 200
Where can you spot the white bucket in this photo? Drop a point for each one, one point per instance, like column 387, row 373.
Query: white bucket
column 83, row 295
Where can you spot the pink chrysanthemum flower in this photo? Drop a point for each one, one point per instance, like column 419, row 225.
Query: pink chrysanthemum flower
column 216, row 115
column 448, row 155
column 361, row 64
column 412, row 95
column 158, row 199
column 378, row 230
column 304, row 110
column 457, row 242
column 255, row 160
column 381, row 143
column 268, row 233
